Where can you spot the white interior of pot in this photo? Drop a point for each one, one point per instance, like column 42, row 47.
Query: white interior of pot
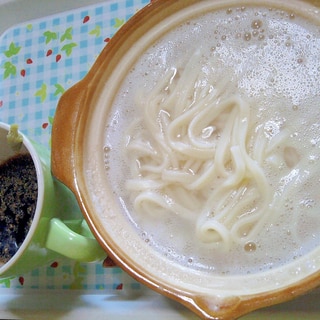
column 121, row 232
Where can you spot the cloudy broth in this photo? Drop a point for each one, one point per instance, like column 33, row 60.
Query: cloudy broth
column 268, row 58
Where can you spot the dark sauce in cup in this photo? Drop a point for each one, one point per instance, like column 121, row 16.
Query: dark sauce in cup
column 18, row 199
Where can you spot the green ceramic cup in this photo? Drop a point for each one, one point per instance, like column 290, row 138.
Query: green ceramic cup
column 53, row 233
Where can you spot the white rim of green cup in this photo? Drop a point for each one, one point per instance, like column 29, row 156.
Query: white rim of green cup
column 39, row 171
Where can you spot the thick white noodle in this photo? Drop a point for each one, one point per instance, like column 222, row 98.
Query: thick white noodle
column 198, row 153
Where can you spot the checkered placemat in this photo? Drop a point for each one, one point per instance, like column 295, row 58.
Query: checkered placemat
column 39, row 60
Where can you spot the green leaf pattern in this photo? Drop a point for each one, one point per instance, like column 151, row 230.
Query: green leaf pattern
column 96, row 31
column 6, row 282
column 68, row 48
column 12, row 50
column 59, row 89
column 50, row 36
column 50, row 119
column 67, row 35
column 9, row 69
column 118, row 22
column 42, row 92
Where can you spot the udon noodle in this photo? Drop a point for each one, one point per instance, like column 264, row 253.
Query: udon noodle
column 198, row 152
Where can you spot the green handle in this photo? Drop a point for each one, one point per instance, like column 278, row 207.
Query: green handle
column 80, row 246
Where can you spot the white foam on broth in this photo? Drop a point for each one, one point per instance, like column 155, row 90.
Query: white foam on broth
column 272, row 57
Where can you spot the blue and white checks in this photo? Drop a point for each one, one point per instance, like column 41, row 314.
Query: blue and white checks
column 39, row 60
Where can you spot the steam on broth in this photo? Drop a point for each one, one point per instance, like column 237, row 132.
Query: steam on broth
column 218, row 160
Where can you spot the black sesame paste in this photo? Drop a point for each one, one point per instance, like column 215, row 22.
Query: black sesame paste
column 18, row 199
